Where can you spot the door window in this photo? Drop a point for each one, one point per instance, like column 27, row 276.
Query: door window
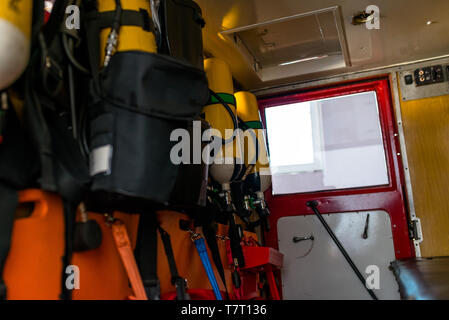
column 327, row 144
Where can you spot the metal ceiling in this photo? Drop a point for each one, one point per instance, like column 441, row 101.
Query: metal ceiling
column 404, row 35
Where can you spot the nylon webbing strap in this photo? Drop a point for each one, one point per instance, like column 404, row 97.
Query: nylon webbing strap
column 123, row 245
column 235, row 238
column 69, row 222
column 8, row 205
column 91, row 25
column 178, row 281
column 146, row 254
column 129, row 18
column 211, row 239
column 202, row 251
column 228, row 98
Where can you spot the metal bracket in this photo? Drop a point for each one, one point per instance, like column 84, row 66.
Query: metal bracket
column 416, row 234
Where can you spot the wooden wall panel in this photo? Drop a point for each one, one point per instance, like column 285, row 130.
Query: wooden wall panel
column 426, row 129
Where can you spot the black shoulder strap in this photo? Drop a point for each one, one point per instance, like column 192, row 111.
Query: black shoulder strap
column 235, row 236
column 177, row 281
column 146, row 254
column 63, row 168
column 39, row 132
column 139, row 18
column 16, row 172
column 8, row 205
column 38, row 19
column 72, row 179
column 146, row 257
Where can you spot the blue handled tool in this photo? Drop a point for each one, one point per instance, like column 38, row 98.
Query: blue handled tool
column 202, row 251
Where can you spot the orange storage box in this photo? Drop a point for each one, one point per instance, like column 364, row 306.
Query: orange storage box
column 34, row 265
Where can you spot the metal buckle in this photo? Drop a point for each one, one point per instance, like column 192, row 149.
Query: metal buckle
column 194, row 236
column 179, row 282
column 181, row 288
column 153, row 289
column 110, row 219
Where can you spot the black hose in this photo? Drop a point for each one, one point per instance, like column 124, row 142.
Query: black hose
column 231, row 113
column 245, row 127
column 68, row 48
column 118, row 16
column 313, row 205
column 113, row 38
column 72, row 101
column 84, row 145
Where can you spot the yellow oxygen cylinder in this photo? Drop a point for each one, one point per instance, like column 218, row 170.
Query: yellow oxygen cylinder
column 130, row 38
column 15, row 34
column 228, row 163
column 259, row 178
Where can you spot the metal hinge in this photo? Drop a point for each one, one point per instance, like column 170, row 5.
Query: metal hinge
column 416, row 234
column 415, row 229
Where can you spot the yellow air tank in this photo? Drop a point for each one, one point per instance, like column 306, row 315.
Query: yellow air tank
column 130, row 38
column 258, row 178
column 15, row 33
column 228, row 163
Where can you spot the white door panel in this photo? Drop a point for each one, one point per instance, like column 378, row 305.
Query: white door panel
column 317, row 269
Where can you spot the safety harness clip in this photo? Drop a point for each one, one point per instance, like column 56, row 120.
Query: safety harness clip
column 194, row 236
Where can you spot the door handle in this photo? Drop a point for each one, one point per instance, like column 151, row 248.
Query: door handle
column 299, row 239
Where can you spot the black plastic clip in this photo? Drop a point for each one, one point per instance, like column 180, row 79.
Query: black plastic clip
column 153, row 289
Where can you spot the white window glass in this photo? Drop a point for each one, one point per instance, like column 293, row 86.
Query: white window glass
column 326, row 144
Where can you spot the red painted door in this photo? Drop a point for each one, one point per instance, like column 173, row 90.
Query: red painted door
column 387, row 196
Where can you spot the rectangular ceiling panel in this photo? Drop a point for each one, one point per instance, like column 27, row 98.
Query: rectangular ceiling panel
column 288, row 46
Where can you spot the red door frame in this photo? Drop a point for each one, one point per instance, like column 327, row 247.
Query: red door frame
column 389, row 198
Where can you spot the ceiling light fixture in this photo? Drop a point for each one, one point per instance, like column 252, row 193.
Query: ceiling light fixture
column 362, row 18
column 303, row 60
